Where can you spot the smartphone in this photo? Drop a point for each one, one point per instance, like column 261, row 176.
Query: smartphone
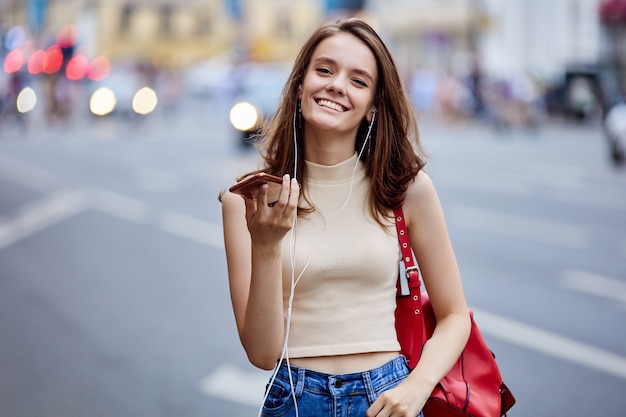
column 250, row 186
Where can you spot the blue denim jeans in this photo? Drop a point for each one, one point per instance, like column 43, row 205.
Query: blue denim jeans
column 324, row 395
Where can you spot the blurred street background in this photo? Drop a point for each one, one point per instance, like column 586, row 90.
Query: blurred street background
column 122, row 120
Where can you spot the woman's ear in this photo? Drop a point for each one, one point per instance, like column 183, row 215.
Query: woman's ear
column 370, row 114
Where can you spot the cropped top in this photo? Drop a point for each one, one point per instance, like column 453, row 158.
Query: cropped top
column 346, row 268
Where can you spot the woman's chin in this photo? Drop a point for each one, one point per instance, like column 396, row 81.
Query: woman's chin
column 330, row 122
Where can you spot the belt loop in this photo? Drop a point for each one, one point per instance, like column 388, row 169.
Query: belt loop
column 300, row 383
column 369, row 388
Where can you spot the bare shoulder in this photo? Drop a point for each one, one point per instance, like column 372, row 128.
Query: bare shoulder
column 421, row 201
column 420, row 190
column 233, row 205
column 231, row 199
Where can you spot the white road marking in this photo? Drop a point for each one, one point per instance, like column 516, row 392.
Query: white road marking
column 59, row 206
column 27, row 175
column 191, row 228
column 40, row 215
column 230, row 383
column 541, row 231
column 120, row 206
column 594, row 284
column 552, row 344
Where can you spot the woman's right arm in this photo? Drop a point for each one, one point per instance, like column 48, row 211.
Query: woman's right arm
column 253, row 232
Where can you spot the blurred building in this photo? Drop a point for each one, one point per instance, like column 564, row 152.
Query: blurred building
column 509, row 36
column 430, row 33
column 274, row 30
column 172, row 32
column 540, row 37
column 168, row 32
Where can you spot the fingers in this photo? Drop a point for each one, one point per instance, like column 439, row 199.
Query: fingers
column 287, row 200
column 401, row 401
column 270, row 222
column 262, row 195
column 251, row 205
column 294, row 194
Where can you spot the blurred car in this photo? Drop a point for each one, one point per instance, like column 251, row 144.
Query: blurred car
column 123, row 93
column 583, row 91
column 257, row 95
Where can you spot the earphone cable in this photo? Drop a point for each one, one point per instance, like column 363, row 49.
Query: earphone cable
column 294, row 281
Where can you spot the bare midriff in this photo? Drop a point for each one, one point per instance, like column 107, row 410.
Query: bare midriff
column 345, row 364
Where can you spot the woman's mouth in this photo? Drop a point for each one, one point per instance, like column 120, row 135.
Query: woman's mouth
column 331, row 105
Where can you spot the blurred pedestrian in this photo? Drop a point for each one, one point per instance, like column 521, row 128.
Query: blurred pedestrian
column 614, row 127
column 9, row 113
column 313, row 276
column 59, row 98
column 475, row 81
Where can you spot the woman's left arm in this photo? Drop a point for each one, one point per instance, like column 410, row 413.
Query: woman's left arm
column 440, row 272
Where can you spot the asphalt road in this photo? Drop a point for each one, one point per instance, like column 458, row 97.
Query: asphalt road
column 113, row 287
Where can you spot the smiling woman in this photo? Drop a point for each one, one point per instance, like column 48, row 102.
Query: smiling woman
column 313, row 275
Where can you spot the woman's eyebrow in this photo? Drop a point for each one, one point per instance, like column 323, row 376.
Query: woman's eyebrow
column 330, row 61
column 363, row 73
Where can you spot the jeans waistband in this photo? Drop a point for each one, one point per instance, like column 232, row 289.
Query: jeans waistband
column 369, row 383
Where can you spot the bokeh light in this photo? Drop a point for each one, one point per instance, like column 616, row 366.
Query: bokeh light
column 145, row 101
column 99, row 68
column 53, row 60
column 26, row 100
column 102, row 101
column 13, row 61
column 15, row 37
column 77, row 68
column 66, row 36
column 35, row 62
column 244, row 116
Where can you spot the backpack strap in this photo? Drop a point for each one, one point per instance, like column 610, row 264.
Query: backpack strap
column 414, row 286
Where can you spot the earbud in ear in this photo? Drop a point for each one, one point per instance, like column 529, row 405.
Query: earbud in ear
column 374, row 110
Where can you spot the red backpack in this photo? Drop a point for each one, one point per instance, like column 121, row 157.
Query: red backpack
column 474, row 386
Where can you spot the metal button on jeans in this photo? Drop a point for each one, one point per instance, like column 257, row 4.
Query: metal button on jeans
column 338, row 383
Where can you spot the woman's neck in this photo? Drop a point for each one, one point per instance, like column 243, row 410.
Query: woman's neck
column 329, row 148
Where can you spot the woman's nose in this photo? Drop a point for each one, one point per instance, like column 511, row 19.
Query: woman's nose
column 337, row 85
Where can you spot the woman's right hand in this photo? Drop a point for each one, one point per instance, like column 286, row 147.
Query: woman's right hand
column 268, row 223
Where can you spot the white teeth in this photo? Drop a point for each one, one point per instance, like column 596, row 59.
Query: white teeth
column 331, row 105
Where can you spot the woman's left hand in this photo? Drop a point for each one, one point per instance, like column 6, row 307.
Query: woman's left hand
column 404, row 400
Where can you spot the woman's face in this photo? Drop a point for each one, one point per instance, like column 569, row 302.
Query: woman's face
column 339, row 85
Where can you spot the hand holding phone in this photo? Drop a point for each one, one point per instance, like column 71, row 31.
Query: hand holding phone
column 250, row 186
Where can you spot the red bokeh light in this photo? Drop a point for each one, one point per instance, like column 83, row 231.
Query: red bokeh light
column 99, row 68
column 53, row 60
column 13, row 61
column 35, row 62
column 66, row 36
column 77, row 67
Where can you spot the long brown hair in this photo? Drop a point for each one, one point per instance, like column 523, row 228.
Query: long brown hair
column 394, row 155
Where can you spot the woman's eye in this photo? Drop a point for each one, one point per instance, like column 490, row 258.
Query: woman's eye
column 360, row 82
column 323, row 70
